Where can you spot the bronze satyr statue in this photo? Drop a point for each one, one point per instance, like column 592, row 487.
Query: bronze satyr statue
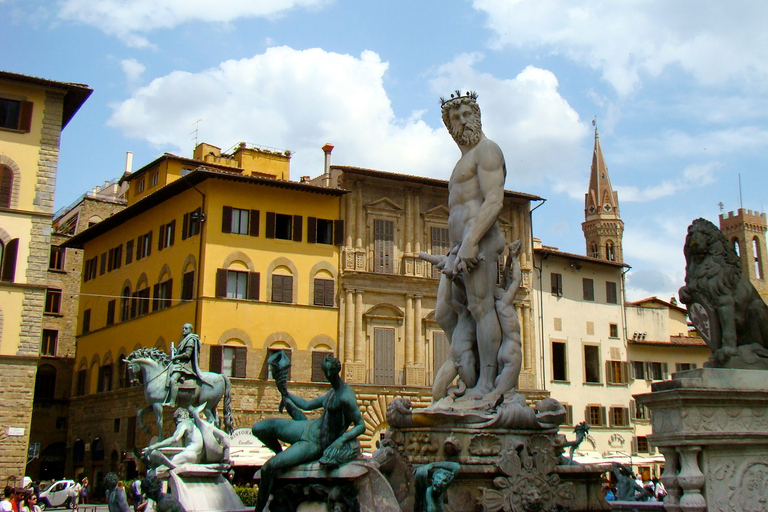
column 722, row 303
column 325, row 439
column 430, row 491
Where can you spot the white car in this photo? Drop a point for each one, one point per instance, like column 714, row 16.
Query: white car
column 57, row 495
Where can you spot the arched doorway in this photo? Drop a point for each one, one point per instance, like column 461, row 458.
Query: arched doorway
column 53, row 460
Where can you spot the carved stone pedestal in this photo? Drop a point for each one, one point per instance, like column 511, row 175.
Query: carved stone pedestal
column 499, row 468
column 310, row 487
column 202, row 487
column 712, row 427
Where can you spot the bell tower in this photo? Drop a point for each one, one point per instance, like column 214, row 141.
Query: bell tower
column 745, row 230
column 602, row 226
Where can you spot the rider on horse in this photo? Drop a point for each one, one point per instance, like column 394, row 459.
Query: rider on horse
column 184, row 364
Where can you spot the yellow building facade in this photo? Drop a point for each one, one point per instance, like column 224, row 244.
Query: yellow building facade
column 33, row 111
column 251, row 261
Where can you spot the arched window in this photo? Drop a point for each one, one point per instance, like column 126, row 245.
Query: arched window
column 8, row 264
column 6, row 186
column 324, row 292
column 758, row 258
column 78, row 453
column 45, row 382
column 318, row 355
column 282, row 285
column 610, row 253
column 230, row 359
column 97, row 450
column 125, row 304
column 593, row 251
column 736, row 247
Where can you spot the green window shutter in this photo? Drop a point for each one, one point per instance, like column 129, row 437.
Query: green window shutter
column 312, row 230
column 214, row 358
column 254, row 282
column 240, row 366
column 297, row 226
column 226, row 219
column 338, row 232
column 270, row 225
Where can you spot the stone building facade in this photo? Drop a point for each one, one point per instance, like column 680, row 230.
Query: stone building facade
column 745, row 230
column 36, row 111
column 53, row 383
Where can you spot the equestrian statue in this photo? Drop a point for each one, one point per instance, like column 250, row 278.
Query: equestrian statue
column 177, row 380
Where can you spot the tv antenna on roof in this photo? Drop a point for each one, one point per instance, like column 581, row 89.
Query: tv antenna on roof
column 196, row 130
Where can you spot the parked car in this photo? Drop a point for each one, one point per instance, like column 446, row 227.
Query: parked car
column 57, row 495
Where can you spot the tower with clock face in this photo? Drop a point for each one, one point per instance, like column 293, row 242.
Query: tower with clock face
column 602, row 226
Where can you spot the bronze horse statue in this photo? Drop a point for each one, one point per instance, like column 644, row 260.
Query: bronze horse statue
column 153, row 364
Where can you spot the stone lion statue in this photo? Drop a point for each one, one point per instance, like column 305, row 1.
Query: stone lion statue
column 723, row 305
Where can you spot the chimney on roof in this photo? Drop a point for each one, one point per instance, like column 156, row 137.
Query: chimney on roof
column 327, row 167
column 128, row 162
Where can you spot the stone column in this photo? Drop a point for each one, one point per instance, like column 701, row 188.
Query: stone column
column 691, row 480
column 359, row 335
column 418, row 231
column 418, row 335
column 669, row 478
column 360, row 223
column 349, row 217
column 408, row 220
column 409, row 330
column 349, row 326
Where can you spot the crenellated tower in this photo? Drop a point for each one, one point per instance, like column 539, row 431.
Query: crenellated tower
column 602, row 226
column 745, row 230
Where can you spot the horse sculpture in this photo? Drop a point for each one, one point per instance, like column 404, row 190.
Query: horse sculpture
column 153, row 364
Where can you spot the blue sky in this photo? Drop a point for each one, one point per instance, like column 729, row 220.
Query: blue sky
column 678, row 89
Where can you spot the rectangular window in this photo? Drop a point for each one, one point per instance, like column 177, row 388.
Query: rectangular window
column 639, row 412
column 558, row 324
column 163, row 293
column 592, row 364
column 656, row 371
column 616, row 372
column 642, row 444
column 56, row 260
column 82, row 382
column 166, row 235
column 568, row 414
column 144, row 246
column 155, row 179
column 613, row 331
column 89, row 269
column 15, row 115
column 105, row 379
column 86, row 321
column 591, row 328
column 115, row 258
column 237, row 284
column 282, row 288
column 611, row 296
column 239, row 221
column 320, row 231
column 681, row 367
column 229, row 361
column 49, row 342
column 111, row 306
column 559, row 368
column 128, row 251
column 440, row 246
column 284, row 227
column 103, row 264
column 141, row 301
column 141, row 185
column 383, row 355
column 383, row 246
column 588, row 286
column 188, row 285
column 190, row 225
column 317, row 365
column 619, row 417
column 557, row 284
column 116, row 425
column 324, row 292
column 595, row 416
column 130, row 432
column 638, row 370
column 239, row 224
column 53, row 301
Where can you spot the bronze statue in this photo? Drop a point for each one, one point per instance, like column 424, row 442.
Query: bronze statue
column 165, row 503
column 184, row 364
column 722, row 303
column 325, row 439
column 430, row 490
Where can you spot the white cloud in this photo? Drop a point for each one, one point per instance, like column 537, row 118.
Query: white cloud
column 715, row 42
column 133, row 70
column 301, row 99
column 692, row 177
column 130, row 20
column 537, row 129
